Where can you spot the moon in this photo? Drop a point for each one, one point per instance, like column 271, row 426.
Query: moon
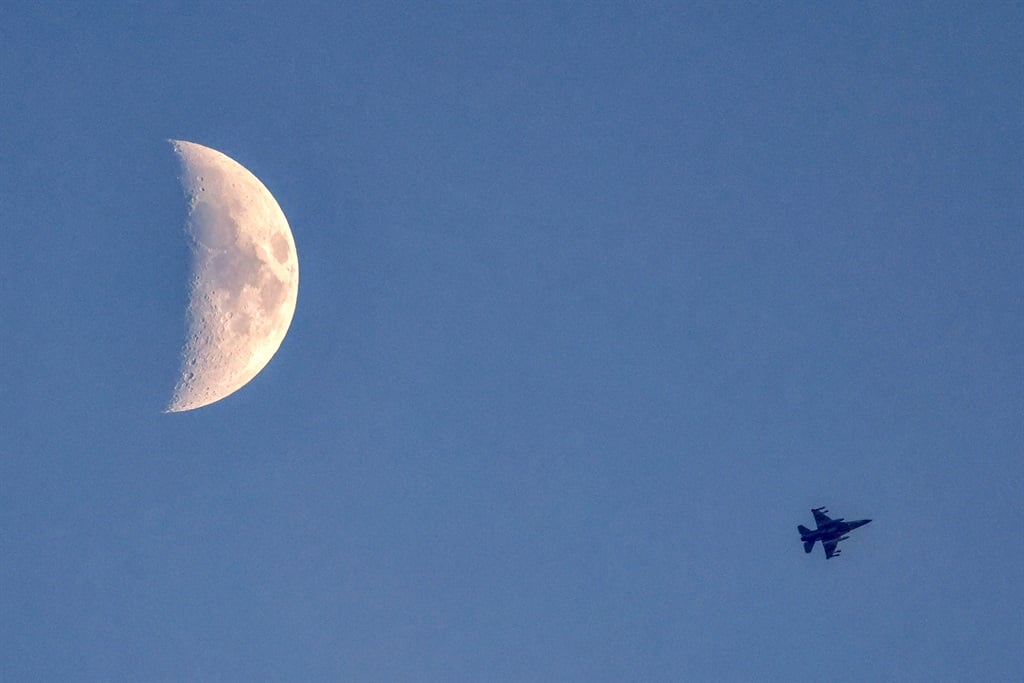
column 245, row 277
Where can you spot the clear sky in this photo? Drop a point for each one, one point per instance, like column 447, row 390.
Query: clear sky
column 596, row 302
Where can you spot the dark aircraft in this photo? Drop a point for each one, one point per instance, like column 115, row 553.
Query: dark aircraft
column 829, row 532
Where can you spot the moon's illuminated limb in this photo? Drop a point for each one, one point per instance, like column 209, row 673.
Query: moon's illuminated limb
column 245, row 277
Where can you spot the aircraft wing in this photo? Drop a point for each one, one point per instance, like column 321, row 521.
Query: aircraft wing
column 830, row 549
column 820, row 518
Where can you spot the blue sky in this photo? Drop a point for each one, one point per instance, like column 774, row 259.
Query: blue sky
column 596, row 301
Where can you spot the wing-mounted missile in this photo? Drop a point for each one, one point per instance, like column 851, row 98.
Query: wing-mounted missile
column 841, row 539
column 821, row 509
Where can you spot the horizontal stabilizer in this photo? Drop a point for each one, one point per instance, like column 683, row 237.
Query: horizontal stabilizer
column 808, row 546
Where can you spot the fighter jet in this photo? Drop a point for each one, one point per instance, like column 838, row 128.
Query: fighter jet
column 829, row 532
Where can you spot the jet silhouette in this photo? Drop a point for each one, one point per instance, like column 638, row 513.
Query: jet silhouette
column 829, row 532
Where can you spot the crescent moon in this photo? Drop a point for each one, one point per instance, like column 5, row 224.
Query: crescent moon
column 245, row 277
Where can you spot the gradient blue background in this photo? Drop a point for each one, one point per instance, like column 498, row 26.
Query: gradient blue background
column 596, row 301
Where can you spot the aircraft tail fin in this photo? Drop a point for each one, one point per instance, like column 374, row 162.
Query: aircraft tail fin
column 808, row 545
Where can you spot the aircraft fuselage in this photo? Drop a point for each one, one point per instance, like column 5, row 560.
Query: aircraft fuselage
column 832, row 531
